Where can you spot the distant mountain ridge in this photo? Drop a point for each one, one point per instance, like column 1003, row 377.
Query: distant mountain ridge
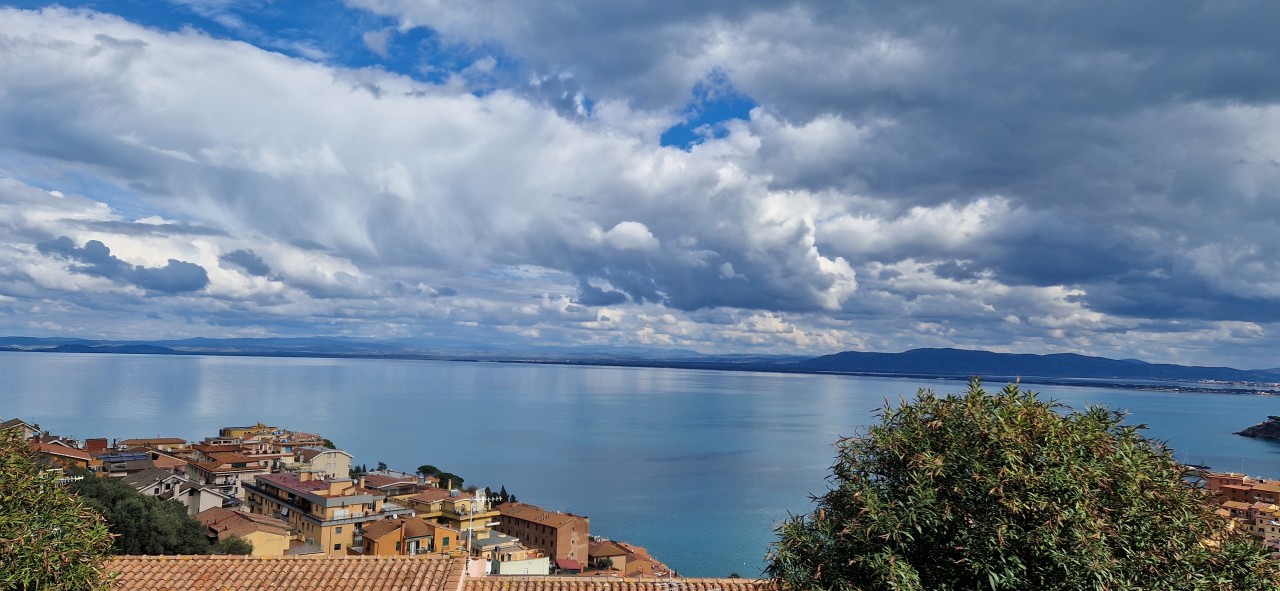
column 964, row 362
column 924, row 363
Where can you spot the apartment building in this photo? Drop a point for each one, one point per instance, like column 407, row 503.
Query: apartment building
column 564, row 537
column 408, row 536
column 325, row 512
column 456, row 509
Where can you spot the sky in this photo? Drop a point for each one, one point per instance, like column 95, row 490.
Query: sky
column 736, row 176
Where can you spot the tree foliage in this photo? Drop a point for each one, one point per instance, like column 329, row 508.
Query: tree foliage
column 232, row 545
column 49, row 539
column 503, row 496
column 1007, row 491
column 143, row 524
column 445, row 478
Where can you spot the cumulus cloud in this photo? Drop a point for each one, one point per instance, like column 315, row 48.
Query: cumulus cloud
column 94, row 258
column 247, row 260
column 1081, row 176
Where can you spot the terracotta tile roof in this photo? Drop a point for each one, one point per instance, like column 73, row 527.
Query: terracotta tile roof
column 206, row 448
column 430, row 495
column 537, row 514
column 235, row 523
column 381, row 480
column 222, row 468
column 145, row 441
column 301, row 573
column 62, row 450
column 293, row 483
column 166, row 461
column 414, row 527
column 606, row 548
column 228, row 457
column 612, row 584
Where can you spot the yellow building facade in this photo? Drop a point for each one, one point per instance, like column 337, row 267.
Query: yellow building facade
column 327, row 513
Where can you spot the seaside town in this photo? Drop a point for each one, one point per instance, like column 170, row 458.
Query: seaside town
column 292, row 494
column 307, row 510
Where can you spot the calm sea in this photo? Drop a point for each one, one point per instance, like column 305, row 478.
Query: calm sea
column 697, row 466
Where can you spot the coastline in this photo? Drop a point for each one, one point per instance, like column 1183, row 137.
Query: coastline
column 1206, row 387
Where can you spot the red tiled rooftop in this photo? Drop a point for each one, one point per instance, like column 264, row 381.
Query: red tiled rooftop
column 236, row 523
column 612, row 584
column 207, row 448
column 62, row 450
column 430, row 495
column 153, row 441
column 537, row 514
column 414, row 527
column 605, row 548
column 220, row 469
column 380, row 480
column 229, row 457
column 296, row 484
column 301, row 573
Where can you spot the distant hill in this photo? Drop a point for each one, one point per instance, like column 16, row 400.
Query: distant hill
column 925, row 363
column 122, row 349
column 961, row 362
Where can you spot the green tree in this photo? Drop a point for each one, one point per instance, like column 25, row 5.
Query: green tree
column 445, row 478
column 1007, row 491
column 233, row 545
column 49, row 539
column 450, row 480
column 143, row 524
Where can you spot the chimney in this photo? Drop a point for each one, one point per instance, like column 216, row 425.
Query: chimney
column 304, row 476
column 360, row 483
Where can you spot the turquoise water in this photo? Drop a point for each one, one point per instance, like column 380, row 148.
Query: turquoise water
column 697, row 466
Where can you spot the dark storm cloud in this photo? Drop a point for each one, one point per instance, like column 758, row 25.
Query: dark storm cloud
column 590, row 295
column 96, row 259
column 247, row 260
column 175, row 277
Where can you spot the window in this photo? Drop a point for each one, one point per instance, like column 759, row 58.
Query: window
column 397, row 546
column 337, row 530
column 337, row 546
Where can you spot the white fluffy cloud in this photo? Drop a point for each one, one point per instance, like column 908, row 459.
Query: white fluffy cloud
column 899, row 183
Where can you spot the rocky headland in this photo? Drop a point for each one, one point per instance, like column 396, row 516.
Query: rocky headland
column 1268, row 429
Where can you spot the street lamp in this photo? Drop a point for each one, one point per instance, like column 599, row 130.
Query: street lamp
column 478, row 497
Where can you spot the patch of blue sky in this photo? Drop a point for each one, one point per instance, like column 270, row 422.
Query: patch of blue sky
column 52, row 176
column 324, row 31
column 715, row 101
